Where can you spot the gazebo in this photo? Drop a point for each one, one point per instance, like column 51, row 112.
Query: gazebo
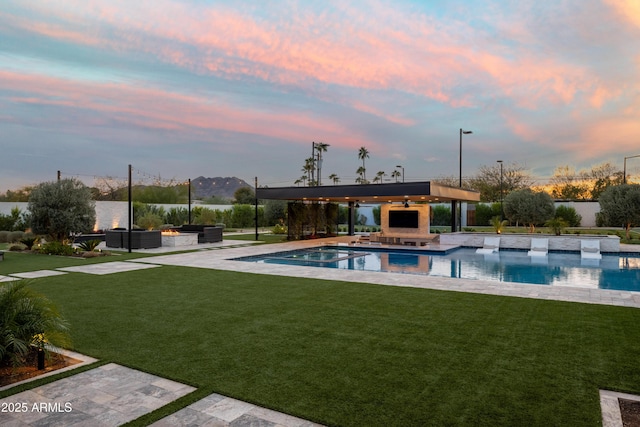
column 402, row 193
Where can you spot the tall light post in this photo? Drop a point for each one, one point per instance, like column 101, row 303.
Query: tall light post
column 401, row 167
column 501, row 210
column 465, row 132
column 624, row 173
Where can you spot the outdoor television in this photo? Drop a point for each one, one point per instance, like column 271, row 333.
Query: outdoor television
column 403, row 218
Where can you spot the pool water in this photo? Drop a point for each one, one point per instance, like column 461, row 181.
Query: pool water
column 617, row 272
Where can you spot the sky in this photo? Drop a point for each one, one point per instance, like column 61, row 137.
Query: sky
column 181, row 89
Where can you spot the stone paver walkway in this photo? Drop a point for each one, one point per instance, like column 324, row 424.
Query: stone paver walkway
column 110, row 395
column 106, row 268
column 218, row 410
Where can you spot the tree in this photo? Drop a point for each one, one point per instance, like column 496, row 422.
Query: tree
column 21, row 195
column 275, row 212
column 361, row 176
column 529, row 208
column 379, row 177
column 335, row 178
column 604, row 176
column 244, row 196
column 363, row 154
column 320, row 147
column 620, row 206
column 395, row 174
column 61, row 208
column 488, row 180
column 567, row 184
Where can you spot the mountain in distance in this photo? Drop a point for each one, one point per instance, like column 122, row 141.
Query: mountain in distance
column 221, row 187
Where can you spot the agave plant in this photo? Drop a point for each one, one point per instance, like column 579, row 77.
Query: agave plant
column 89, row 245
column 28, row 320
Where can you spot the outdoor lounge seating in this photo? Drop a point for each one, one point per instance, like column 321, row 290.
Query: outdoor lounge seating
column 491, row 245
column 539, row 247
column 590, row 249
column 206, row 233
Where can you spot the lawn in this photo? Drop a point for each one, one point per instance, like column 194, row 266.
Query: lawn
column 353, row 354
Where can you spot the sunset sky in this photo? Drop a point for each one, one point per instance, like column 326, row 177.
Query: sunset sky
column 186, row 88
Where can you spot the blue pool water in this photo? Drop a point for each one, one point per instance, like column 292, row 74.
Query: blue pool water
column 619, row 272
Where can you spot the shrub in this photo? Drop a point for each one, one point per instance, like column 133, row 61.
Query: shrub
column 17, row 247
column 27, row 319
column 569, row 215
column 441, row 215
column 150, row 221
column 4, row 236
column 89, row 245
column 279, row 229
column 56, row 248
column 15, row 236
column 557, row 225
column 498, row 224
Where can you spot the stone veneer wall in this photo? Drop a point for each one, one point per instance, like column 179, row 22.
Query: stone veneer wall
column 568, row 242
column 423, row 221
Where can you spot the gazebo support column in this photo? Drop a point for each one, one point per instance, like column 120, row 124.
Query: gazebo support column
column 454, row 216
column 352, row 217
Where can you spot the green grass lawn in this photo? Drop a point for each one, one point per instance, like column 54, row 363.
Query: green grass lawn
column 354, row 354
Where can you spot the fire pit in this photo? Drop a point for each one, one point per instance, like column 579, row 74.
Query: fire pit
column 172, row 238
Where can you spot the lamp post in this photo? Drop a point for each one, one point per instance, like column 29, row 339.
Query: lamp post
column 401, row 167
column 465, row 132
column 624, row 173
column 501, row 210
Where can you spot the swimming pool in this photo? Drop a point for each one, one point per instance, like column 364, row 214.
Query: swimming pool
column 616, row 272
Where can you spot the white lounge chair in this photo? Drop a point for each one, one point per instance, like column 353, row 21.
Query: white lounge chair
column 539, row 247
column 491, row 245
column 590, row 249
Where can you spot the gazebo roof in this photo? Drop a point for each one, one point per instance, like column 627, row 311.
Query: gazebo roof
column 424, row 191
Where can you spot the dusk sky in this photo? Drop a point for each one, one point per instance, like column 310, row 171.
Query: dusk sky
column 181, row 89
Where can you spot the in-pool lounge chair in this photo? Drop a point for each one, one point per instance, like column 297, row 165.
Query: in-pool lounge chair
column 590, row 249
column 539, row 247
column 491, row 245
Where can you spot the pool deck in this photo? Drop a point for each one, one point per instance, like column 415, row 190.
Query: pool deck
column 216, row 258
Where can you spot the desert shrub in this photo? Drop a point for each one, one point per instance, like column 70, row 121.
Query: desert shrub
column 89, row 245
column 177, row 216
column 243, row 216
column 56, row 248
column 569, row 215
column 150, row 221
column 4, row 236
column 17, row 247
column 205, row 216
column 279, row 229
column 90, row 254
column 15, row 236
column 28, row 320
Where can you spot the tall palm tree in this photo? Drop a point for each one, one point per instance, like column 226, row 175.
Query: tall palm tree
column 363, row 154
column 380, row 175
column 320, row 148
column 395, row 174
column 334, row 178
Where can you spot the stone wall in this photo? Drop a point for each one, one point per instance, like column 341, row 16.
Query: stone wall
column 568, row 242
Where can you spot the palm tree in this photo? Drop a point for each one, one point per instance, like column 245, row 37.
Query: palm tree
column 361, row 176
column 395, row 174
column 363, row 154
column 320, row 148
column 309, row 166
column 380, row 175
column 334, row 178
column 300, row 180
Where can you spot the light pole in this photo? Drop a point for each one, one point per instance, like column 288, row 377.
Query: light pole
column 465, row 132
column 624, row 173
column 501, row 210
column 401, row 167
